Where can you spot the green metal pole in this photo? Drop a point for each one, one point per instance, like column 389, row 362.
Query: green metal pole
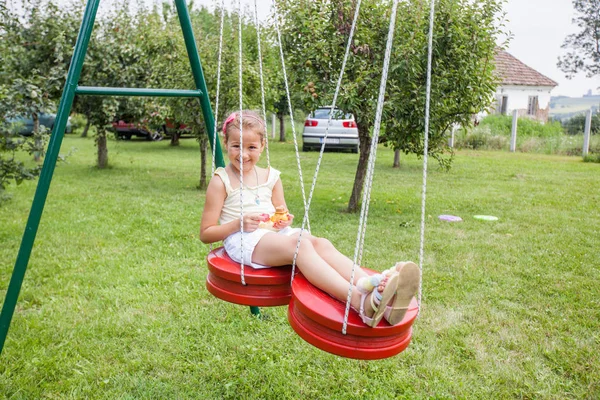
column 112, row 91
column 192, row 50
column 39, row 199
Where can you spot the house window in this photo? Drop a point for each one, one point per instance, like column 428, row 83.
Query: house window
column 533, row 106
column 504, row 105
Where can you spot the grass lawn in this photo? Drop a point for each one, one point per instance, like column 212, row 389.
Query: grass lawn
column 114, row 303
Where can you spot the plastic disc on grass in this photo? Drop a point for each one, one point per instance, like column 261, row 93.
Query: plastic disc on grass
column 450, row 218
column 485, row 217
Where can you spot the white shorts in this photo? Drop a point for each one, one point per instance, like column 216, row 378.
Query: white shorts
column 233, row 244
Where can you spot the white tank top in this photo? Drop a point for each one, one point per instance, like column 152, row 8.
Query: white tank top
column 256, row 198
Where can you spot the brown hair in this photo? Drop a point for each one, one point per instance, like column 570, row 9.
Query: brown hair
column 250, row 120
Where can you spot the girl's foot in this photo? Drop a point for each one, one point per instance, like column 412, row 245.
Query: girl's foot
column 408, row 285
column 373, row 304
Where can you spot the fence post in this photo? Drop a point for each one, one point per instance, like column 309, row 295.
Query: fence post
column 513, row 135
column 586, row 133
column 273, row 122
column 451, row 140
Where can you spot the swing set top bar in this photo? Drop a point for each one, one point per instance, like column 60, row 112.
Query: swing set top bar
column 113, row 91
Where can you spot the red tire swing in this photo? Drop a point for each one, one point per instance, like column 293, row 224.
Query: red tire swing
column 316, row 317
column 322, row 320
column 225, row 280
column 264, row 287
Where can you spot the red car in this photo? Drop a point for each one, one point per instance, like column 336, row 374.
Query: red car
column 125, row 130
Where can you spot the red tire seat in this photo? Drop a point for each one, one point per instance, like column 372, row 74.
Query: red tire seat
column 264, row 287
column 318, row 318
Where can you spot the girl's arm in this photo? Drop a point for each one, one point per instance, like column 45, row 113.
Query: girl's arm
column 278, row 199
column 210, row 230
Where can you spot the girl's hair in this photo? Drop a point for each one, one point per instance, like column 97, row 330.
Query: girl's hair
column 250, row 120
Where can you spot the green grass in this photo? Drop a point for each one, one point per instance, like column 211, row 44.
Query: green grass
column 114, row 303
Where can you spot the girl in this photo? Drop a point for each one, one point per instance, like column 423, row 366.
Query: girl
column 386, row 295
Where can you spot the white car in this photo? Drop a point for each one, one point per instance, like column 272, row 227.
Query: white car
column 342, row 133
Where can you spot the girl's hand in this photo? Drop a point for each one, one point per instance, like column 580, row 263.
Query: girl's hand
column 251, row 221
column 284, row 224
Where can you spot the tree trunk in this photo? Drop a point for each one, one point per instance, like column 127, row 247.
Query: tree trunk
column 396, row 159
column 361, row 169
column 86, row 128
column 281, row 128
column 37, row 156
column 203, row 147
column 102, row 149
column 175, row 138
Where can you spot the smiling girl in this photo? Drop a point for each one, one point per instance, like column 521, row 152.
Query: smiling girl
column 386, row 295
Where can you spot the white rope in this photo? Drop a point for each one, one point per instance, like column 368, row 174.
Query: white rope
column 289, row 99
column 372, row 156
column 213, row 166
column 241, row 143
column 262, row 83
column 426, row 149
column 214, row 143
column 333, row 104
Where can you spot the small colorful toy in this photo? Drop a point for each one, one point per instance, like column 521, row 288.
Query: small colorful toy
column 450, row 218
column 486, row 217
column 269, row 221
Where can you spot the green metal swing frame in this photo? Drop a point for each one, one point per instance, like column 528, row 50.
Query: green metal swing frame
column 71, row 89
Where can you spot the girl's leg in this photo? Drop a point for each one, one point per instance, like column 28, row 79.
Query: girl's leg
column 342, row 264
column 278, row 250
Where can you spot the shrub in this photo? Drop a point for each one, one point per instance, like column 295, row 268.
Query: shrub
column 532, row 145
column 480, row 138
column 595, row 158
column 12, row 168
column 576, row 124
column 502, row 125
column 78, row 122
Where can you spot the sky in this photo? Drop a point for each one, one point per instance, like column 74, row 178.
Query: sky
column 538, row 29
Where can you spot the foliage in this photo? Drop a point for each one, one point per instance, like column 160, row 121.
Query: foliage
column 27, row 48
column 583, row 47
column 493, row 133
column 78, row 122
column 502, row 125
column 576, row 125
column 480, row 138
column 12, row 168
column 171, row 67
column 592, row 158
column 463, row 79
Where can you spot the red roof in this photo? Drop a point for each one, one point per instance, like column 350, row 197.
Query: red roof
column 514, row 72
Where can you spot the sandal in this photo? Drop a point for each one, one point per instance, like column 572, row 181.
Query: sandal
column 408, row 285
column 377, row 299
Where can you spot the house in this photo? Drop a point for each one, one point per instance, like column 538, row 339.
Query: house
column 522, row 88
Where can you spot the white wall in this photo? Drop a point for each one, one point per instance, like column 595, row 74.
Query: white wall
column 518, row 96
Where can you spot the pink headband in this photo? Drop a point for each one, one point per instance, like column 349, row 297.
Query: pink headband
column 233, row 116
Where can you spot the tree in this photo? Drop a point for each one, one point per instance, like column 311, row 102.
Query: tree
column 583, row 47
column 12, row 168
column 171, row 68
column 35, row 56
column 115, row 58
column 463, row 80
column 576, row 124
column 35, row 51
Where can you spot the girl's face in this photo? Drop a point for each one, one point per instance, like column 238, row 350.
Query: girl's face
column 253, row 147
